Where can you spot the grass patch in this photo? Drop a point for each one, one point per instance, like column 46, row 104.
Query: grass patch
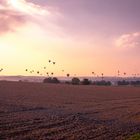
column 134, row 137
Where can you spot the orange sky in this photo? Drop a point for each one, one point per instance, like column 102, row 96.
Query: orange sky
column 31, row 34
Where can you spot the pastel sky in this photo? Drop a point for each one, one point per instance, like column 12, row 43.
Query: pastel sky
column 81, row 36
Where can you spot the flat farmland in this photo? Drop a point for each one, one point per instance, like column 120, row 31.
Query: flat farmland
column 37, row 111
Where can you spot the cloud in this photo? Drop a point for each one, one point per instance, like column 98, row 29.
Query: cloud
column 129, row 41
column 9, row 20
column 95, row 17
column 15, row 13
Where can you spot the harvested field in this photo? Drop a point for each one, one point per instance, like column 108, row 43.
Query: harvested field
column 37, row 111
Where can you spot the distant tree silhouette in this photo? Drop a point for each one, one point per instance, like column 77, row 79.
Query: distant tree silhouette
column 51, row 80
column 55, row 80
column 135, row 83
column 47, row 80
column 123, row 82
column 86, row 82
column 75, row 81
column 102, row 83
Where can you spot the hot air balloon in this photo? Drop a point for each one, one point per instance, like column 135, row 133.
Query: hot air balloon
column 118, row 73
column 124, row 73
column 68, row 75
column 102, row 76
column 93, row 73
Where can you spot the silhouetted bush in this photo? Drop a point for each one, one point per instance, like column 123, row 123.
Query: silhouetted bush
column 47, row 80
column 67, row 82
column 55, row 80
column 123, row 82
column 86, row 82
column 51, row 80
column 102, row 83
column 135, row 83
column 75, row 81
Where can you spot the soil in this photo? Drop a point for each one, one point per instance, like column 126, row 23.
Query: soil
column 37, row 111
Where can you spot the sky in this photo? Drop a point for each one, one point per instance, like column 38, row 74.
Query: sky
column 81, row 36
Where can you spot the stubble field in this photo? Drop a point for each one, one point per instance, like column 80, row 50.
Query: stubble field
column 37, row 111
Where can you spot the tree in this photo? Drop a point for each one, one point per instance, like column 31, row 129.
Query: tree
column 51, row 80
column 55, row 80
column 102, row 83
column 123, row 82
column 75, row 81
column 47, row 80
column 86, row 82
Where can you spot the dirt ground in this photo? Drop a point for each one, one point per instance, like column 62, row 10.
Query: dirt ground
column 37, row 111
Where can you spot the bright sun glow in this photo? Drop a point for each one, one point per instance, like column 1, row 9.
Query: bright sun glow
column 29, row 8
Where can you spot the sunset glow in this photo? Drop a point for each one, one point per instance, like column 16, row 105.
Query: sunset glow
column 81, row 36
